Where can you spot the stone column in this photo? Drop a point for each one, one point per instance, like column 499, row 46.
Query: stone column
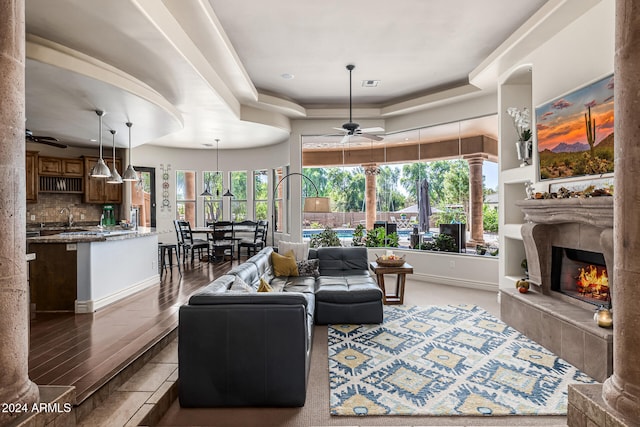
column 371, row 171
column 477, row 199
column 15, row 386
column 622, row 390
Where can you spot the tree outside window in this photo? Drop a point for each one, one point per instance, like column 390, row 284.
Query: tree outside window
column 260, row 194
column 239, row 190
column 212, row 181
column 186, row 196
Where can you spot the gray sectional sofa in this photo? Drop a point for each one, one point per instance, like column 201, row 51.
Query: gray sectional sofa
column 254, row 348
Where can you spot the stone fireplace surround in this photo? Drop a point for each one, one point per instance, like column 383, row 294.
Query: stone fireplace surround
column 560, row 323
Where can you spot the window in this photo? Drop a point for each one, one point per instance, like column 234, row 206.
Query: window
column 260, row 194
column 279, row 200
column 212, row 181
column 186, row 196
column 239, row 199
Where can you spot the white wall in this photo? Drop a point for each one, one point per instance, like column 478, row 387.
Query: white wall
column 199, row 160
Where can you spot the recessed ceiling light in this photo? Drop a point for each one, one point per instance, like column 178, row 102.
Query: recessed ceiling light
column 370, row 83
column 287, row 76
column 93, row 140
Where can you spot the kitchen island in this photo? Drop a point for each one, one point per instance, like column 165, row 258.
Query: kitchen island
column 86, row 270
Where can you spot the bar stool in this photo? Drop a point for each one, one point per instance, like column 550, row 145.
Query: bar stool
column 165, row 249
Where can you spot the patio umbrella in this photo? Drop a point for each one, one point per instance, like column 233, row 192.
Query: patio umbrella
column 425, row 206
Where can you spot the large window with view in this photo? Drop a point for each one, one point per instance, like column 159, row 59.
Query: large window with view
column 239, row 199
column 212, row 196
column 413, row 189
column 186, row 196
column 260, row 194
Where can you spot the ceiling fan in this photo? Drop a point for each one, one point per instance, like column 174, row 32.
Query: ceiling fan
column 49, row 140
column 350, row 128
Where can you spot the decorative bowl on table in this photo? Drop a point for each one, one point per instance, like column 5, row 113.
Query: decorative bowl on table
column 390, row 260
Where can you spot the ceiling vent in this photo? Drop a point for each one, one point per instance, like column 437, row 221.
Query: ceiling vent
column 370, row 83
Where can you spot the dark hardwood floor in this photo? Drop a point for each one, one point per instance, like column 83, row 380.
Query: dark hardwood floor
column 87, row 350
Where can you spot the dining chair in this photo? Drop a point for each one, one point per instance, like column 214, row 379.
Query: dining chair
column 187, row 243
column 259, row 240
column 221, row 240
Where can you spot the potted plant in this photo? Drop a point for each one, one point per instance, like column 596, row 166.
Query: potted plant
column 358, row 235
column 327, row 237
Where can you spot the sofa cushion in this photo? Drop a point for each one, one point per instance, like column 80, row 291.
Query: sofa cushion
column 300, row 250
column 339, row 261
column 262, row 260
column 264, row 286
column 248, row 272
column 347, row 289
column 240, row 285
column 309, row 267
column 284, row 265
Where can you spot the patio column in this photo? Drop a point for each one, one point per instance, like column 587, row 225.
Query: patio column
column 621, row 391
column 15, row 386
column 477, row 198
column 371, row 171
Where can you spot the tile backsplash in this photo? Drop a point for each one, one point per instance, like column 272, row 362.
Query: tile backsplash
column 47, row 209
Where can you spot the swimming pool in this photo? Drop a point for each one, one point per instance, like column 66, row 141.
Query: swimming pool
column 345, row 233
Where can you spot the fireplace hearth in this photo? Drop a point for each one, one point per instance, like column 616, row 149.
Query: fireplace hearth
column 563, row 238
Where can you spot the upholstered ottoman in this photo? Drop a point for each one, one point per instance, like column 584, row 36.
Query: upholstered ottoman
column 353, row 299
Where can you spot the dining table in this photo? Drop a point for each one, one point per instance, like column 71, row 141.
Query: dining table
column 247, row 232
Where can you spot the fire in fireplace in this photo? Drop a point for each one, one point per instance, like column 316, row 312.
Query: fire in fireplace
column 580, row 274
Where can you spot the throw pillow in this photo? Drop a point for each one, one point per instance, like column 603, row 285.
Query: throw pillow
column 264, row 286
column 309, row 267
column 240, row 285
column 284, row 265
column 300, row 250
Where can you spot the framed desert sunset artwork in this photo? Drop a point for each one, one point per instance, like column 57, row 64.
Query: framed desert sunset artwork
column 575, row 132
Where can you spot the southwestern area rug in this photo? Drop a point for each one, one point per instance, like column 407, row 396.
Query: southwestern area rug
column 444, row 360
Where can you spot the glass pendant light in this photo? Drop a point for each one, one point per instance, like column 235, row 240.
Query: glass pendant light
column 130, row 174
column 114, row 177
column 100, row 169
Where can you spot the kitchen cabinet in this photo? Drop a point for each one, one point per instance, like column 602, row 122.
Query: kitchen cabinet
column 57, row 166
column 31, row 181
column 97, row 190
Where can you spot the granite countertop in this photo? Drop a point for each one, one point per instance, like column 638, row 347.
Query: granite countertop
column 93, row 234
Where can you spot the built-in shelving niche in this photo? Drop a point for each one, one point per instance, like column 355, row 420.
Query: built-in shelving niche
column 57, row 184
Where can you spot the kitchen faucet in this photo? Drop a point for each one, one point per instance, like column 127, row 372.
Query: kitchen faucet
column 69, row 216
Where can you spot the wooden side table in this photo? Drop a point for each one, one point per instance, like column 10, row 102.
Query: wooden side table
column 402, row 271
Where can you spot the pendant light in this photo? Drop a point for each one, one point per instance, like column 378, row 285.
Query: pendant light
column 114, row 177
column 227, row 193
column 100, row 169
column 130, row 174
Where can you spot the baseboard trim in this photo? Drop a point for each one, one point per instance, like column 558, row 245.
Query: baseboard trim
column 90, row 306
column 461, row 283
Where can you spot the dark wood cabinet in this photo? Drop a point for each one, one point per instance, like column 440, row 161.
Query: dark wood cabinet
column 97, row 190
column 53, row 279
column 31, row 169
column 57, row 166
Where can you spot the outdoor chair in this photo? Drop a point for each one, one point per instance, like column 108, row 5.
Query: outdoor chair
column 186, row 243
